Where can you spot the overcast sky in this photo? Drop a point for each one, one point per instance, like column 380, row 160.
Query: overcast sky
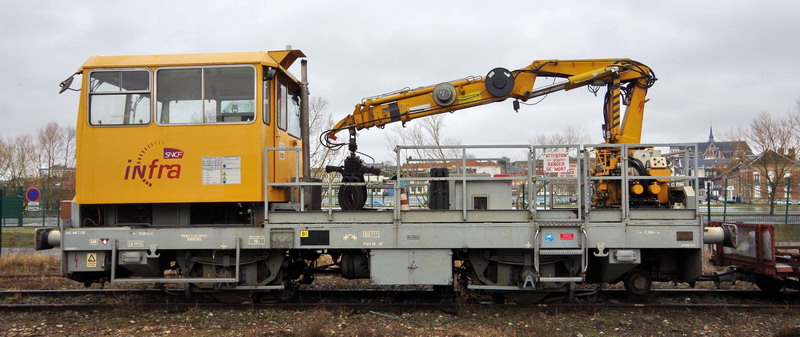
column 720, row 62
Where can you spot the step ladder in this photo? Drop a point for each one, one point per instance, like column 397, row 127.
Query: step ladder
column 560, row 238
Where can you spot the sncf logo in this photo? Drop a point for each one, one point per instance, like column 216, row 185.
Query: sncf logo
column 170, row 153
column 148, row 168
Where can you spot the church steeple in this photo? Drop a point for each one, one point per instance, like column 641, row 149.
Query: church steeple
column 710, row 133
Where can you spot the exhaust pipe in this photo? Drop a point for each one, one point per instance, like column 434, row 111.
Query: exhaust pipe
column 304, row 119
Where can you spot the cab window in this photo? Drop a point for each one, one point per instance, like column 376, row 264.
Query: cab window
column 205, row 95
column 119, row 97
column 293, row 113
column 265, row 102
column 289, row 110
column 282, row 93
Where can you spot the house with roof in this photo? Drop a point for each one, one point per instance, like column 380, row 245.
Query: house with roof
column 752, row 180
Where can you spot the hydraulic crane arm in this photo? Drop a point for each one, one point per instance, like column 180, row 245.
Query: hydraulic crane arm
column 627, row 82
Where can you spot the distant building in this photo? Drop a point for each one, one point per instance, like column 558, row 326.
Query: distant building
column 714, row 158
column 472, row 167
column 748, row 181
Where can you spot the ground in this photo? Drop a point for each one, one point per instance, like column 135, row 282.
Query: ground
column 130, row 321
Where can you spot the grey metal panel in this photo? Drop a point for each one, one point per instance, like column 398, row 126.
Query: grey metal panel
column 611, row 235
column 662, row 237
column 557, row 214
column 79, row 261
column 605, row 215
column 465, row 236
column 559, row 237
column 413, row 267
column 281, row 238
column 654, row 236
column 321, row 217
column 498, row 193
column 638, row 234
column 386, row 216
column 91, row 238
column 351, row 236
column 663, row 214
column 482, row 216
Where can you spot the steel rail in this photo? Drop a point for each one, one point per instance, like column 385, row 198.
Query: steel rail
column 405, row 306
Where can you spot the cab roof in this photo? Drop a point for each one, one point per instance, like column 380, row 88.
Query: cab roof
column 277, row 58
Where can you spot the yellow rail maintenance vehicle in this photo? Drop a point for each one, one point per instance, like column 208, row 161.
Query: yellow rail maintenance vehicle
column 191, row 169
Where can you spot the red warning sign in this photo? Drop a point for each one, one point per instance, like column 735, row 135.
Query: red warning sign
column 567, row 236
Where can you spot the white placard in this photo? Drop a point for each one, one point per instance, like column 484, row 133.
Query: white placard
column 222, row 170
column 555, row 162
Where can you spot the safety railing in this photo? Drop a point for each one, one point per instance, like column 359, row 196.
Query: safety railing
column 683, row 173
column 556, row 172
column 461, row 168
column 583, row 156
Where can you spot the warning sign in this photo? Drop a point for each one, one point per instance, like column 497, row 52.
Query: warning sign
column 303, row 234
column 555, row 162
column 571, row 172
column 91, row 260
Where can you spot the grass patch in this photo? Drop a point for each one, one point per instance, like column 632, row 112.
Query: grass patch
column 18, row 237
column 29, row 267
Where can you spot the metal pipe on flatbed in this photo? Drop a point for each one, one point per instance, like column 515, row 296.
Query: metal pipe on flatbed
column 724, row 235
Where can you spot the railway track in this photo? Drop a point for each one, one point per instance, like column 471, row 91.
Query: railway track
column 384, row 306
column 363, row 292
column 405, row 300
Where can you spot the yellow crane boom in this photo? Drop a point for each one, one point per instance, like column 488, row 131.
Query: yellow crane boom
column 627, row 82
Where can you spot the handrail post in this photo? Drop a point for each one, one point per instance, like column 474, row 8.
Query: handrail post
column 464, row 181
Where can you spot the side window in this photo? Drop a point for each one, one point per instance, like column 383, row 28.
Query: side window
column 293, row 112
column 119, row 97
column 282, row 96
column 206, row 95
column 265, row 103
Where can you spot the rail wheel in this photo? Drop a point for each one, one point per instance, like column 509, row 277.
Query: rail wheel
column 768, row 284
column 638, row 283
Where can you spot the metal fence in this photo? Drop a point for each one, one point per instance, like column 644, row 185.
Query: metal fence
column 783, row 210
column 11, row 206
column 15, row 210
column 752, row 213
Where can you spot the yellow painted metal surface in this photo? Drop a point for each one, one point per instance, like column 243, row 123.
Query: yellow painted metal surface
column 181, row 163
column 470, row 92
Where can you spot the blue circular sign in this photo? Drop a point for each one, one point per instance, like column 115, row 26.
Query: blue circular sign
column 33, row 194
column 549, row 237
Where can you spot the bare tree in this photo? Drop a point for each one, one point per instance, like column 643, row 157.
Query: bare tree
column 69, row 146
column 22, row 159
column 5, row 158
column 321, row 120
column 49, row 144
column 774, row 138
column 429, row 131
column 569, row 135
column 795, row 117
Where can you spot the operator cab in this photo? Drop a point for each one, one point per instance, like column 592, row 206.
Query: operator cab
column 175, row 140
